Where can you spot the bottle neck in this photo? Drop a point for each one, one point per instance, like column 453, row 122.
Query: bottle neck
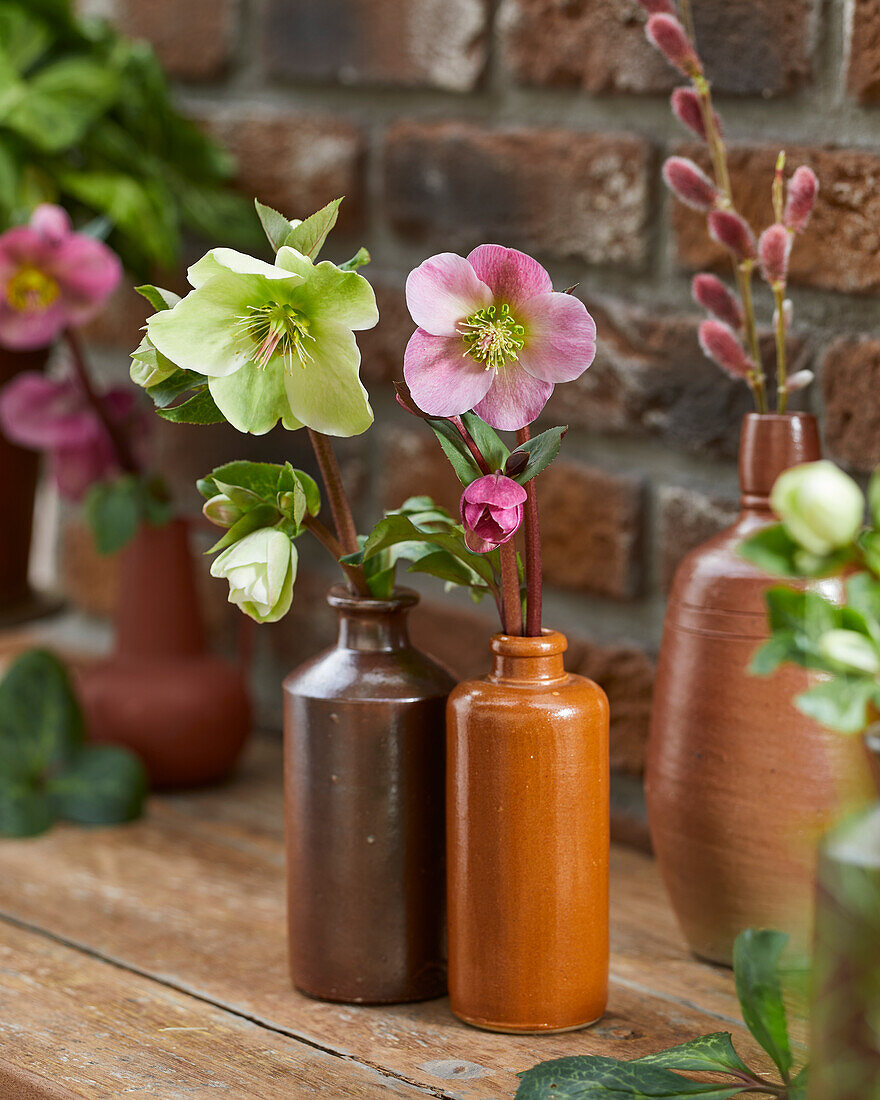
column 528, row 660
column 769, row 445
column 372, row 626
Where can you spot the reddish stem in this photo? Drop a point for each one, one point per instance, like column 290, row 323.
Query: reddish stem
column 510, row 595
column 343, row 520
column 471, row 444
column 121, row 446
column 534, row 581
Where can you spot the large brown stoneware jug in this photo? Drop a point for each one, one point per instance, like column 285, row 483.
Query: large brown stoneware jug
column 18, row 483
column 739, row 783
column 364, row 788
column 162, row 693
column 527, row 842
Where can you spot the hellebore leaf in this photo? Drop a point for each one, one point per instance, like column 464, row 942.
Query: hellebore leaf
column 713, row 1053
column 260, row 478
column 308, row 236
column 487, row 440
column 756, row 958
column 359, row 259
column 540, row 452
column 586, row 1077
column 199, row 409
column 102, row 785
column 449, row 568
column 775, row 551
column 158, row 298
column 276, row 227
column 168, row 390
column 841, row 704
column 456, row 450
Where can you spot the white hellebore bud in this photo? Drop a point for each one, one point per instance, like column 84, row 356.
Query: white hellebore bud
column 261, row 569
column 851, row 650
column 819, row 505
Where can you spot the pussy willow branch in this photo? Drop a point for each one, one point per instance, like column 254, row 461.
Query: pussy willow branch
column 118, row 439
column 781, row 365
column 340, row 508
column 534, row 583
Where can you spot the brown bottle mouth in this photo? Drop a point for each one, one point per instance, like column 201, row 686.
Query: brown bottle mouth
column 549, row 644
column 340, row 598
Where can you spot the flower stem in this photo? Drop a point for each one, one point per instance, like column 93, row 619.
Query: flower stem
column 471, row 444
column 511, row 603
column 118, row 439
column 534, row 579
column 781, row 366
column 340, row 508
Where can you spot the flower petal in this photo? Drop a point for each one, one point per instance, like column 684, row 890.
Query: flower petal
column 443, row 381
column 87, row 272
column 442, row 291
column 51, row 222
column 515, row 399
column 327, row 394
column 75, row 469
column 219, row 260
column 560, row 338
column 25, row 331
column 512, row 276
column 497, row 490
column 343, row 297
column 254, row 399
column 39, row 412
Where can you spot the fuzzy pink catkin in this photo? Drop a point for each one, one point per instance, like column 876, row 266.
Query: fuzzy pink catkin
column 656, row 7
column 774, row 249
column 713, row 296
column 686, row 107
column 799, row 381
column 670, row 38
column 734, row 233
column 719, row 342
column 802, row 190
column 689, row 183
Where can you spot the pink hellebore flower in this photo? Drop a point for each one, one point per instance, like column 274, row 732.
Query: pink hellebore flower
column 54, row 416
column 491, row 510
column 493, row 336
column 50, row 279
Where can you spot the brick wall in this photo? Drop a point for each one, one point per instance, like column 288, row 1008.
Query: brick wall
column 543, row 124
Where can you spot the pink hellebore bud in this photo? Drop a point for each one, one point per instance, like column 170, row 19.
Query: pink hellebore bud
column 734, row 233
column 689, row 184
column 774, row 249
column 802, row 190
column 491, row 510
column 686, row 108
column 713, row 296
column 666, row 33
column 719, row 342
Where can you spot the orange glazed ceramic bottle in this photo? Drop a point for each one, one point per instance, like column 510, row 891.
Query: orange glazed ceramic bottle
column 527, row 837
column 739, row 783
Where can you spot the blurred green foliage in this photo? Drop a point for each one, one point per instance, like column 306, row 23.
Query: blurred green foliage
column 87, row 121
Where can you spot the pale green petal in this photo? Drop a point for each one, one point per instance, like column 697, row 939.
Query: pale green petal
column 254, row 399
column 219, row 260
column 291, row 260
column 284, row 600
column 201, row 334
column 149, row 366
column 327, row 394
column 340, row 296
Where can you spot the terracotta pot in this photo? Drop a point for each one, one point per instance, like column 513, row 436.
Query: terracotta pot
column 364, row 789
column 739, row 783
column 184, row 711
column 18, row 483
column 527, row 842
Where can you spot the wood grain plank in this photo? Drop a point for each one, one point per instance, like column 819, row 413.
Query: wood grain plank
column 96, row 1031
column 194, row 896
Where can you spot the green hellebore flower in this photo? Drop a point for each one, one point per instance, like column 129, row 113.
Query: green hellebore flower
column 148, row 366
column 821, row 508
column 276, row 341
column 261, row 569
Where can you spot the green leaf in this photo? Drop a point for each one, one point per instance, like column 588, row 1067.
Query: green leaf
column 773, row 550
column 842, row 703
column 774, row 652
column 158, row 298
column 874, row 497
column 60, row 102
column 308, row 237
column 586, row 1077
column 262, row 478
column 41, row 722
column 103, row 785
column 394, row 529
column 799, row 1086
column 713, row 1053
column 276, row 227
column 24, row 810
column 756, row 964
column 863, row 597
column 869, row 544
column 487, row 440
column 359, row 259
column 169, row 389
column 456, row 450
column 113, row 511
column 24, row 39
column 541, row 451
column 200, row 409
column 446, row 566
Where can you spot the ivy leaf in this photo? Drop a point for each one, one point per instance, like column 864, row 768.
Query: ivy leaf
column 587, row 1077
column 102, row 785
column 713, row 1053
column 841, row 703
column 199, row 409
column 308, row 237
column 540, row 452
column 756, row 955
column 276, row 227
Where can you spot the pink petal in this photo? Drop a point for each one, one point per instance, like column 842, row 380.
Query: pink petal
column 512, row 276
column 442, row 380
column 19, row 246
column 443, row 291
column 25, row 331
column 560, row 337
column 74, row 469
column 515, row 399
column 38, row 412
column 495, row 489
column 479, row 546
column 87, row 272
column 50, row 222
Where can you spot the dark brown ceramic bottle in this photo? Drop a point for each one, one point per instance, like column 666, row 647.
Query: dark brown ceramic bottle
column 527, row 834
column 364, row 807
column 739, row 783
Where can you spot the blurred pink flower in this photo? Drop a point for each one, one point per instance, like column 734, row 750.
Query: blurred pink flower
column 493, row 336
column 713, row 295
column 50, row 279
column 54, row 416
column 491, row 510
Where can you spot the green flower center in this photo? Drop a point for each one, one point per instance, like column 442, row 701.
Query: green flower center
column 31, row 290
column 492, row 336
column 278, row 330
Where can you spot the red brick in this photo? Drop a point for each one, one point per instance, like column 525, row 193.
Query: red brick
column 591, row 527
column 559, row 192
column 686, row 519
column 382, row 347
column 840, row 249
column 296, row 163
column 750, row 47
column 399, row 43
column 863, row 61
column 850, row 378
column 194, row 40
column 414, row 465
column 626, row 672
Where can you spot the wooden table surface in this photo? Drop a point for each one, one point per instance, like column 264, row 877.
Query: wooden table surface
column 149, row 961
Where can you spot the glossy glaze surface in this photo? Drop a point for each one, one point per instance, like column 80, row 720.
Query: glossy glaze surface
column 162, row 693
column 739, row 784
column 364, row 810
column 527, row 836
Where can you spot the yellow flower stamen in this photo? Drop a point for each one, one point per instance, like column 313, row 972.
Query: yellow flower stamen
column 278, row 330
column 492, row 336
column 31, row 290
